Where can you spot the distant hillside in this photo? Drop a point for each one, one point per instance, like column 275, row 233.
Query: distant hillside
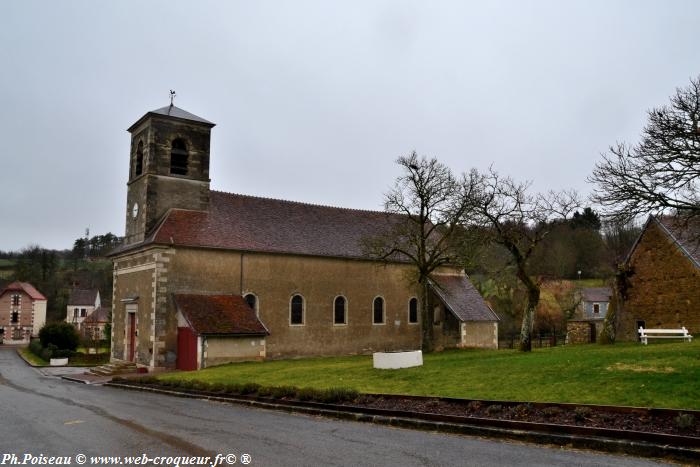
column 7, row 268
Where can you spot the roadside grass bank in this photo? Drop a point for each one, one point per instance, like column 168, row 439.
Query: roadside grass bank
column 76, row 359
column 627, row 374
column 31, row 358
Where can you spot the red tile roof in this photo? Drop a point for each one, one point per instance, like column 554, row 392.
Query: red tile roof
column 98, row 315
column 219, row 314
column 249, row 223
column 596, row 294
column 25, row 287
column 461, row 297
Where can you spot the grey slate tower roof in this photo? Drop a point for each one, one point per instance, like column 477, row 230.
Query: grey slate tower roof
column 176, row 112
column 173, row 111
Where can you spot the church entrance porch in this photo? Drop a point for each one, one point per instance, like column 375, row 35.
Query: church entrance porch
column 131, row 336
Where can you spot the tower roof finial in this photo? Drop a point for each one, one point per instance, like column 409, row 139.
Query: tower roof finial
column 172, row 96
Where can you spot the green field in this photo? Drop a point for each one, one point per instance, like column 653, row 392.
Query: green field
column 80, row 359
column 7, row 268
column 658, row 375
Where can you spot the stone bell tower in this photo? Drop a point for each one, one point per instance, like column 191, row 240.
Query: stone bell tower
column 169, row 168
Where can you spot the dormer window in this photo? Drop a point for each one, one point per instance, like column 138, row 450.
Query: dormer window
column 252, row 301
column 138, row 166
column 178, row 157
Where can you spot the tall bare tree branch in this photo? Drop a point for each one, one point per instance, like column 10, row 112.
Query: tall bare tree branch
column 518, row 220
column 659, row 173
column 425, row 205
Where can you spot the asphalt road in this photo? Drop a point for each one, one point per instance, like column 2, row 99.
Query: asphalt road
column 42, row 414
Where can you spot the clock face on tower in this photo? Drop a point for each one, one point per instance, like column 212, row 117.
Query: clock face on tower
column 135, row 210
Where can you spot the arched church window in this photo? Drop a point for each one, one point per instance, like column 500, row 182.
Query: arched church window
column 138, row 169
column 296, row 310
column 378, row 311
column 413, row 310
column 340, row 310
column 178, row 157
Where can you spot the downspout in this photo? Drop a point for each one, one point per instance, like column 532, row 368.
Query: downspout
column 202, row 362
column 241, row 279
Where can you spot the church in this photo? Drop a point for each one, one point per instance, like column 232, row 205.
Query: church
column 205, row 277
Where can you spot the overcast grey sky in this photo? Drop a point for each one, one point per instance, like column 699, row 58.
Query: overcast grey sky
column 314, row 101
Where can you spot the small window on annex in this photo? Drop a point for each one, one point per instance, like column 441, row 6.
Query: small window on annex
column 413, row 310
column 378, row 311
column 296, row 310
column 437, row 315
column 252, row 301
column 596, row 308
column 138, row 167
column 178, row 157
column 83, row 312
column 340, row 310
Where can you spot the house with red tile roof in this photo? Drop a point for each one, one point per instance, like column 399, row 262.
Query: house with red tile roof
column 94, row 325
column 206, row 277
column 663, row 282
column 22, row 312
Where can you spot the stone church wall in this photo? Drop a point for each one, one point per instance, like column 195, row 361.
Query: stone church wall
column 664, row 287
column 155, row 274
column 274, row 279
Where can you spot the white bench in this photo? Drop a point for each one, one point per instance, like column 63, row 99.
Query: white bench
column 682, row 333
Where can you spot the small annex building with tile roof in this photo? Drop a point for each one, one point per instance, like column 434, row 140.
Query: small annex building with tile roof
column 22, row 312
column 95, row 323
column 663, row 284
column 206, row 277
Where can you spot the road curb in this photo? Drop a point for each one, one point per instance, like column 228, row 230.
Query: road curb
column 597, row 443
column 27, row 361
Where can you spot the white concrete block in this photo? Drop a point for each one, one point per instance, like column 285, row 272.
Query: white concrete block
column 396, row 360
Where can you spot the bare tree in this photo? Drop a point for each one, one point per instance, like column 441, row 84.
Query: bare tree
column 426, row 204
column 660, row 172
column 518, row 220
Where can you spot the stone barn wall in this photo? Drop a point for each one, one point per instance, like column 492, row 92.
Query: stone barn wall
column 664, row 286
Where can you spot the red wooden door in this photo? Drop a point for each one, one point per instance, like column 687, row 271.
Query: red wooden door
column 186, row 349
column 132, row 336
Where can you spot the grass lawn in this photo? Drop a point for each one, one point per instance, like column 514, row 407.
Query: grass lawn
column 80, row 359
column 31, row 358
column 86, row 350
column 589, row 282
column 83, row 359
column 658, row 375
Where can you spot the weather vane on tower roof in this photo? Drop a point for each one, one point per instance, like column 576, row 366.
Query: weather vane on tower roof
column 172, row 96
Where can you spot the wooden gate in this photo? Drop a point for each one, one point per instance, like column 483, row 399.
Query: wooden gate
column 186, row 349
